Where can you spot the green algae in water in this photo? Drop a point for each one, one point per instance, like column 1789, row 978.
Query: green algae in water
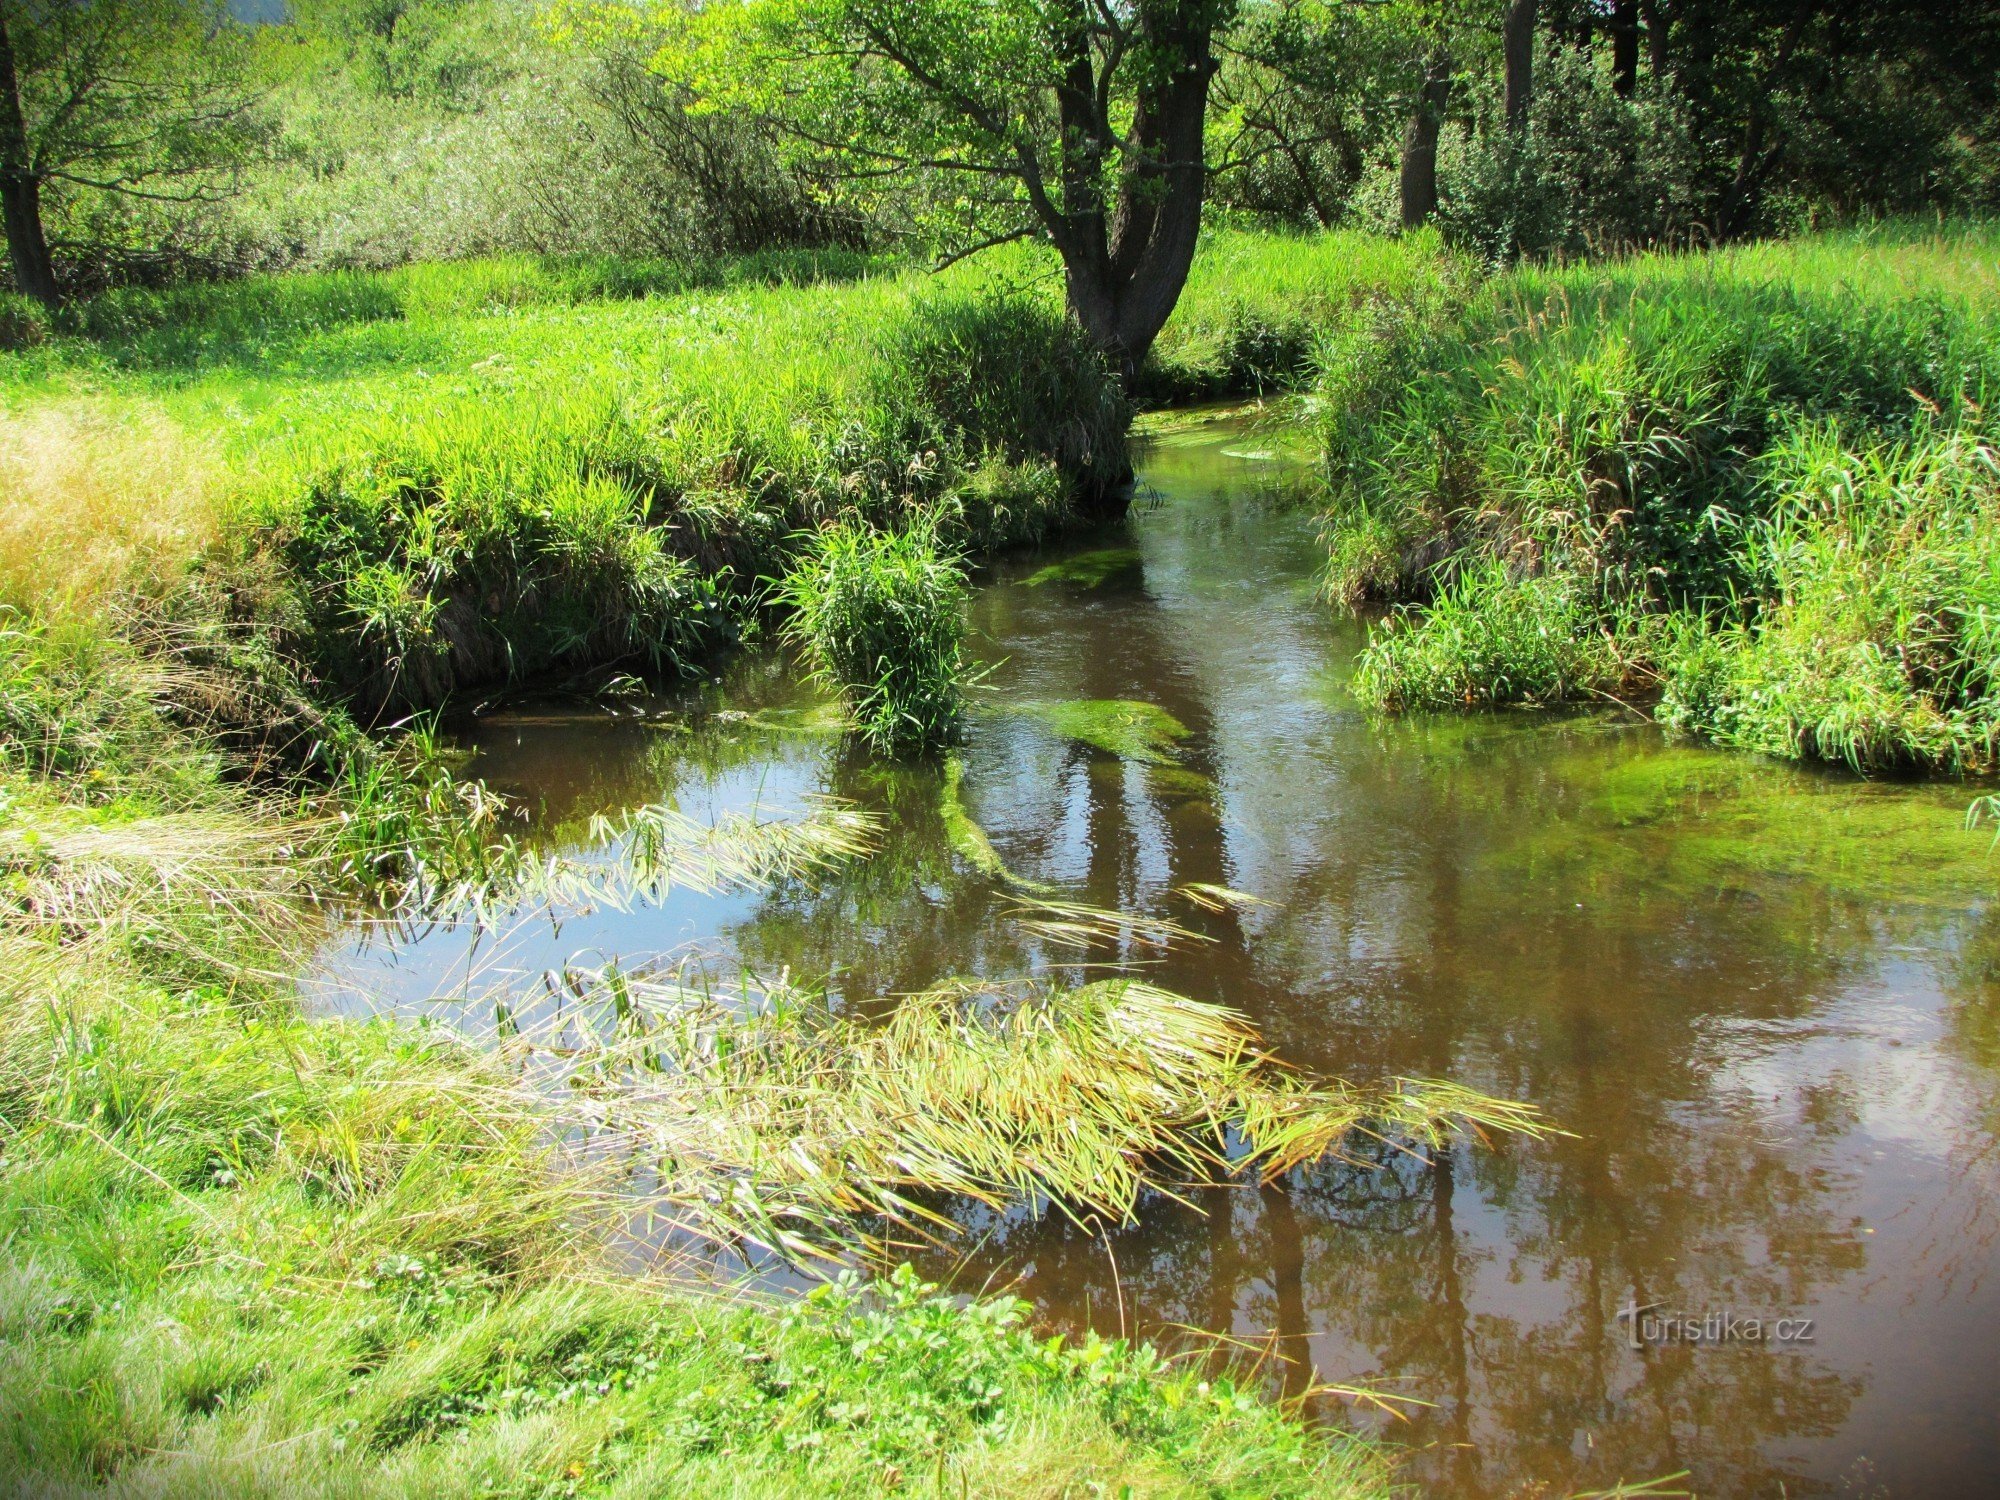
column 1089, row 570
column 1125, row 727
column 1693, row 819
column 1178, row 784
column 968, row 840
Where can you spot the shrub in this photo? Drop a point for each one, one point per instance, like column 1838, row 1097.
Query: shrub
column 880, row 617
column 1591, row 170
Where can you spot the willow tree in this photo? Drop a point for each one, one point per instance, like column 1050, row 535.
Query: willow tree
column 1076, row 121
column 135, row 99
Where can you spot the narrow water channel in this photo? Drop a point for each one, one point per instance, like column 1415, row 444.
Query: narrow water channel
column 1765, row 1002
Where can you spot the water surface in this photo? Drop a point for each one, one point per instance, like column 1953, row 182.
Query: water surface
column 1765, row 1002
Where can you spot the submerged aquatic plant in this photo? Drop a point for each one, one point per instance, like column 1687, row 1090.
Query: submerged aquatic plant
column 1124, row 727
column 880, row 616
column 1089, row 570
column 770, row 1120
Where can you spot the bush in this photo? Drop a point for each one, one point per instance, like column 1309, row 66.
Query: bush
column 880, row 617
column 1591, row 171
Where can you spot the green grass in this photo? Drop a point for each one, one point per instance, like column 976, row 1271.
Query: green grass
column 1778, row 447
column 443, row 477
column 880, row 616
column 447, row 477
column 251, row 1253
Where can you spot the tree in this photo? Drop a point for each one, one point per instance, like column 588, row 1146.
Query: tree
column 1309, row 92
column 140, row 99
column 1418, row 179
column 1077, row 121
column 1517, row 46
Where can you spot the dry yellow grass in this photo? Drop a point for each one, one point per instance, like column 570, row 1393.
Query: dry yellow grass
column 95, row 505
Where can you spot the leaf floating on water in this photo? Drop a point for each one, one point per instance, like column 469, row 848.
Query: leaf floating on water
column 1218, row 897
column 1125, row 727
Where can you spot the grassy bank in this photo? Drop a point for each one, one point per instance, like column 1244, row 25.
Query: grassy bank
column 251, row 1253
column 1757, row 486
column 256, row 1253
column 448, row 477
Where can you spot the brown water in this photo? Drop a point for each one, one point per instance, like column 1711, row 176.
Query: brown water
column 1766, row 1003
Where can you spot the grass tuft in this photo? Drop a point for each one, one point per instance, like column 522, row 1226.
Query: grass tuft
column 880, row 617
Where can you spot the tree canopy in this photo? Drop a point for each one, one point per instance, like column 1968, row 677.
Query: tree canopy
column 1080, row 121
column 137, row 99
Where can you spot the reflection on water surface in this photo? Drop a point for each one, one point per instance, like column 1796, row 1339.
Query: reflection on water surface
column 1766, row 1002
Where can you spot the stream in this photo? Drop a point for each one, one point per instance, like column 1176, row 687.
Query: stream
column 1764, row 1001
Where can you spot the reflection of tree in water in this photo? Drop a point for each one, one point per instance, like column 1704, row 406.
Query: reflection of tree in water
column 1670, row 1191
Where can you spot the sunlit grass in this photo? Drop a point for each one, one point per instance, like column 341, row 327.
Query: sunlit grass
column 768, row 1119
column 98, row 504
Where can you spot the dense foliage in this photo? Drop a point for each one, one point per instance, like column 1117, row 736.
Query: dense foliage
column 1758, row 484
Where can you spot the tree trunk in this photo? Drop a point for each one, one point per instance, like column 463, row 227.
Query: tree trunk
column 1744, row 198
column 21, row 189
column 1124, row 269
column 1420, row 143
column 1658, row 59
column 1517, row 46
column 1625, row 48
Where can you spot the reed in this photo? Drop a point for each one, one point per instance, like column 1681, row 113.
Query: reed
column 880, row 618
column 768, row 1120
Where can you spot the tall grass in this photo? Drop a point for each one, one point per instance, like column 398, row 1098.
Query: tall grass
column 774, row 1121
column 1631, row 434
column 1878, row 643
column 98, row 505
column 880, row 616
